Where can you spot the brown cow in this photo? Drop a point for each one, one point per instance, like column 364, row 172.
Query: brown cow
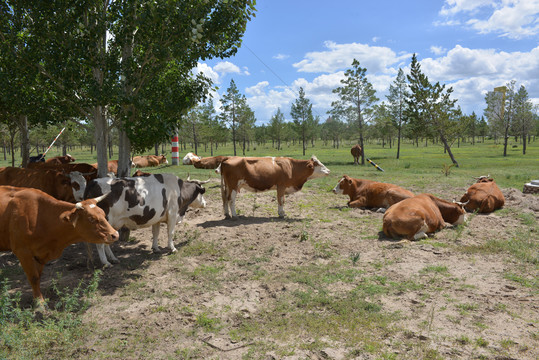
column 370, row 194
column 52, row 182
column 87, row 170
column 149, row 160
column 420, row 215
column 66, row 159
column 256, row 174
column 356, row 153
column 112, row 166
column 36, row 228
column 210, row 162
column 484, row 196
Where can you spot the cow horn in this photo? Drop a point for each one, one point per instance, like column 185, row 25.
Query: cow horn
column 461, row 203
column 99, row 198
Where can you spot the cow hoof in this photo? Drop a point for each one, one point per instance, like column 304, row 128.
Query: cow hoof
column 107, row 266
column 156, row 251
column 173, row 251
column 114, row 261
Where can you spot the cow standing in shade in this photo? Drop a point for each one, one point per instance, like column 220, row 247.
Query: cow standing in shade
column 137, row 202
column 286, row 175
column 484, row 196
column 37, row 228
column 370, row 194
column 420, row 215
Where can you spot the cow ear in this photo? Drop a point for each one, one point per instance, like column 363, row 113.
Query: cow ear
column 349, row 181
column 70, row 216
column 311, row 165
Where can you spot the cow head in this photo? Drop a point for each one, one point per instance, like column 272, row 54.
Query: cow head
column 343, row 185
column 90, row 223
column 162, row 159
column 319, row 169
column 78, row 183
column 70, row 158
column 187, row 159
column 199, row 201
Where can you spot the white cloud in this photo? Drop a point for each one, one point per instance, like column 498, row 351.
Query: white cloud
column 208, row 72
column 281, row 56
column 514, row 19
column 437, row 50
column 340, row 56
column 226, row 67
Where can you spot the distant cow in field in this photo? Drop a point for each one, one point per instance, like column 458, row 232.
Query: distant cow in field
column 149, row 160
column 210, row 162
column 484, row 196
column 112, row 166
column 370, row 194
column 53, row 182
column 65, row 159
column 284, row 174
column 137, row 202
column 356, row 153
column 37, row 228
column 420, row 215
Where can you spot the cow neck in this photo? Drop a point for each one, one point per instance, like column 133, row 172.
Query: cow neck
column 448, row 209
column 59, row 226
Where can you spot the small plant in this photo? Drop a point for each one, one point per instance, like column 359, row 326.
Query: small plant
column 354, row 257
column 481, row 342
column 463, row 339
column 446, row 169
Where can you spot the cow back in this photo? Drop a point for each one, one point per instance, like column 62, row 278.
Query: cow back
column 52, row 182
column 484, row 196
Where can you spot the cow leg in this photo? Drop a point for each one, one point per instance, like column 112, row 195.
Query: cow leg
column 155, row 233
column 101, row 252
column 280, row 202
column 422, row 233
column 33, row 270
column 232, row 203
column 110, row 255
column 171, row 224
column 224, row 196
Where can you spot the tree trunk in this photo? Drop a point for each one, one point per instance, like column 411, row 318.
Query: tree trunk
column 100, row 140
column 446, row 146
column 124, row 152
column 25, row 141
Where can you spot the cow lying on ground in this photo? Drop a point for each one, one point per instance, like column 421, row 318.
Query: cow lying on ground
column 137, row 202
column 356, row 153
column 484, row 196
column 370, row 194
column 88, row 171
column 256, row 174
column 57, row 160
column 36, row 228
column 420, row 215
column 210, row 162
column 112, row 166
column 149, row 160
column 55, row 183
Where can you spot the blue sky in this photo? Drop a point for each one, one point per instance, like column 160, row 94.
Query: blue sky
column 470, row 45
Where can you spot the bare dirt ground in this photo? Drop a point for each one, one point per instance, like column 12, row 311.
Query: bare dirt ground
column 229, row 275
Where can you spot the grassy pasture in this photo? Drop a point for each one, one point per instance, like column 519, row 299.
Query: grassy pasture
column 320, row 284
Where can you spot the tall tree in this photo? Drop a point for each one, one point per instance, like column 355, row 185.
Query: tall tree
column 523, row 118
column 356, row 99
column 398, row 91
column 231, row 105
column 129, row 59
column 500, row 110
column 276, row 127
column 302, row 114
column 431, row 104
column 246, row 124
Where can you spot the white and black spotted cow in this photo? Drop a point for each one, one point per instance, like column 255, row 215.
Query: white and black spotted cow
column 137, row 202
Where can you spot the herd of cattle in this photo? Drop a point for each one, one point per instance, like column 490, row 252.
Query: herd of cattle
column 55, row 203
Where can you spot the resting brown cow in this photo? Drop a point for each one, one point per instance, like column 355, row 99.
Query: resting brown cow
column 484, row 196
column 256, row 174
column 356, row 153
column 112, row 166
column 370, row 194
column 66, row 159
column 149, row 160
column 87, row 170
column 420, row 215
column 52, row 182
column 37, row 228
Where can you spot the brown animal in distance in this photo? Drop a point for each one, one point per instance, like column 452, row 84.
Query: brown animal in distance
column 356, row 152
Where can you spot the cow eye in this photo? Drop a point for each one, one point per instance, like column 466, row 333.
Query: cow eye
column 92, row 220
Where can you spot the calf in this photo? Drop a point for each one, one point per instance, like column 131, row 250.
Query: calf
column 417, row 216
column 370, row 194
column 137, row 202
column 36, row 228
column 284, row 174
column 484, row 196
